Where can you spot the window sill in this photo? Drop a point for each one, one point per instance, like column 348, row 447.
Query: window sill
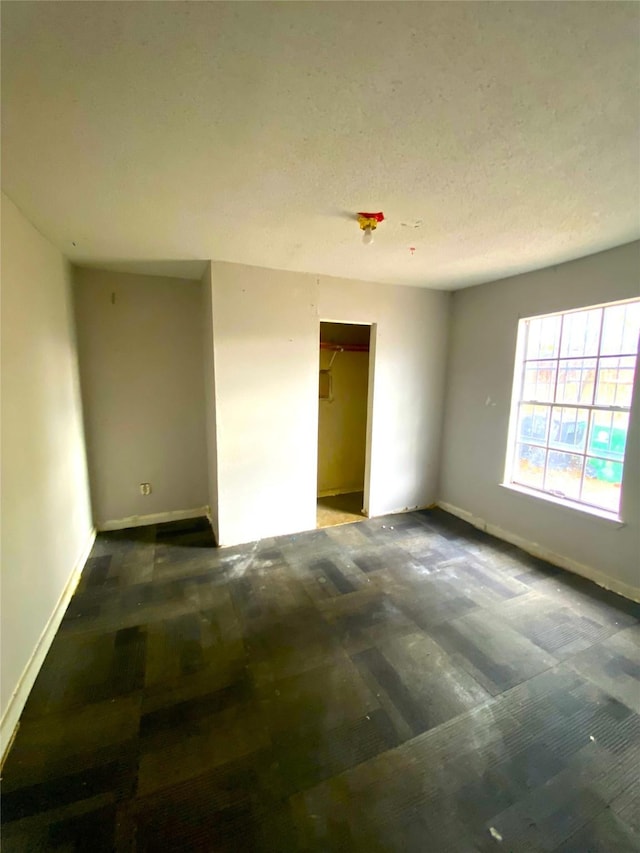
column 602, row 514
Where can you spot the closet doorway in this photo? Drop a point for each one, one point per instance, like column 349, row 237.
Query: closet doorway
column 343, row 414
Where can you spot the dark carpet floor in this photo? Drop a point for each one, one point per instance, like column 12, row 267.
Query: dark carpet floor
column 402, row 684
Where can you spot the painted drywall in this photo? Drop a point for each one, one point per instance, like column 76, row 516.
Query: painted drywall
column 210, row 399
column 408, row 351
column 342, row 423
column 140, row 345
column 265, row 334
column 266, row 329
column 46, row 516
column 480, row 366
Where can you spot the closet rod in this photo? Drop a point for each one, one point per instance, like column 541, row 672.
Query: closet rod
column 344, row 347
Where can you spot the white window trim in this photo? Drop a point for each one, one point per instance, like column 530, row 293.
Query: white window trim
column 585, row 509
column 518, row 379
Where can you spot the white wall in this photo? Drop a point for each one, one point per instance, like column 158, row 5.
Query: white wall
column 266, row 371
column 266, row 331
column 210, row 399
column 480, row 364
column 342, row 423
column 408, row 350
column 140, row 342
column 46, row 517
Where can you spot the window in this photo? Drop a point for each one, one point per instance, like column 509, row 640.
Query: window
column 572, row 390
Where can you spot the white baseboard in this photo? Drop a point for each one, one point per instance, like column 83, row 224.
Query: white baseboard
column 378, row 513
column 11, row 717
column 329, row 493
column 213, row 524
column 603, row 580
column 154, row 518
column 415, row 508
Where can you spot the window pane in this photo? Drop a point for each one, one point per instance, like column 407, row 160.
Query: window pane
column 621, row 328
column 602, row 481
column 615, row 381
column 576, row 385
column 581, row 333
column 543, row 337
column 609, row 435
column 539, row 381
column 576, row 381
column 533, row 425
column 569, row 428
column 564, row 471
column 529, row 465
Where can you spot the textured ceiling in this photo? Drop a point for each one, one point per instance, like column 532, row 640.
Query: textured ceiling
column 250, row 132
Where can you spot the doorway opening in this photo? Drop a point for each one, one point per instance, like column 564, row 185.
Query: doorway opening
column 343, row 416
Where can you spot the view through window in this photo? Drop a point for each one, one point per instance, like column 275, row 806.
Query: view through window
column 573, row 385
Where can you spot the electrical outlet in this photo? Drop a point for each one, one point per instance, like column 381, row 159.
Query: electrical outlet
column 145, row 488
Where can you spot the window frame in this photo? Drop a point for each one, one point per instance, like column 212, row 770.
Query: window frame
column 514, row 437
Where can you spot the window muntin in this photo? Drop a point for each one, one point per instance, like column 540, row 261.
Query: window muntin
column 573, row 388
